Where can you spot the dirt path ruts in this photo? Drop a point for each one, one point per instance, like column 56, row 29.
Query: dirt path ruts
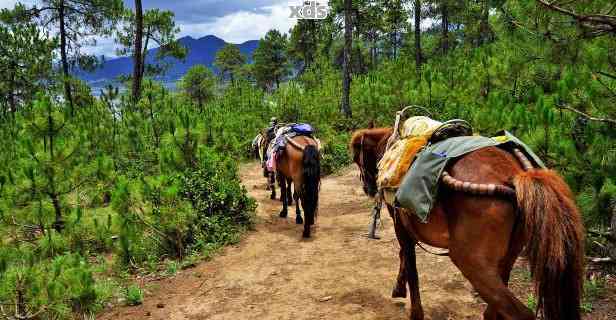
column 338, row 274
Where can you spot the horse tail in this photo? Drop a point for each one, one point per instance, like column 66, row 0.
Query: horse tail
column 554, row 233
column 311, row 185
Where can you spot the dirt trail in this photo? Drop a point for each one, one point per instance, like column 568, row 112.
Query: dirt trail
column 338, row 274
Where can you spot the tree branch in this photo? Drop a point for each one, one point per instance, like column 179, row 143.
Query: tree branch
column 587, row 116
column 611, row 76
column 606, row 235
column 601, row 23
column 610, row 90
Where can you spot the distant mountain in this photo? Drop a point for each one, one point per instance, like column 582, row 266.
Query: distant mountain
column 200, row 51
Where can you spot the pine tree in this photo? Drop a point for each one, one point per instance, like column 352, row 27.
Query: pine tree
column 346, row 67
column 228, row 61
column 139, row 31
column 53, row 162
column 271, row 64
column 138, row 58
column 199, row 84
column 76, row 21
column 25, row 60
column 417, row 28
column 303, row 43
column 394, row 19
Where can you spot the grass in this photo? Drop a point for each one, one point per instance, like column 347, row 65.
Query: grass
column 531, row 302
column 133, row 295
column 594, row 289
column 172, row 268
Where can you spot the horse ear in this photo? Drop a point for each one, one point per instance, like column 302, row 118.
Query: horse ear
column 371, row 124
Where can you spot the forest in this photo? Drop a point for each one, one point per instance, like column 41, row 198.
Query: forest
column 97, row 187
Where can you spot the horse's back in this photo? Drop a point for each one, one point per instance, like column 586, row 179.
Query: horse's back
column 291, row 161
column 459, row 217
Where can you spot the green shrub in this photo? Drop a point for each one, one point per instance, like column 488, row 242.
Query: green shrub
column 336, row 154
column 214, row 189
column 593, row 290
column 58, row 287
column 531, row 302
column 133, row 295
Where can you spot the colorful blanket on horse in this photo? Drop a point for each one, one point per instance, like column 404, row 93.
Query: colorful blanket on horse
column 396, row 161
column 418, row 189
column 256, row 143
column 278, row 144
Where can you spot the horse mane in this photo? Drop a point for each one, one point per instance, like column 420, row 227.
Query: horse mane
column 376, row 132
column 369, row 132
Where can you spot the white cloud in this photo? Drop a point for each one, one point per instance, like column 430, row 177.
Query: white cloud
column 10, row 4
column 245, row 25
column 237, row 27
column 104, row 46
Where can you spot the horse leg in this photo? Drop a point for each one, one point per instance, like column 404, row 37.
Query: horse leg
column 266, row 175
column 298, row 211
column 501, row 301
column 307, row 224
column 486, row 258
column 272, row 184
column 516, row 246
column 289, row 194
column 399, row 290
column 412, row 276
column 283, row 191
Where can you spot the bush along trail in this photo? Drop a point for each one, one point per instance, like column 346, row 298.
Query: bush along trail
column 338, row 274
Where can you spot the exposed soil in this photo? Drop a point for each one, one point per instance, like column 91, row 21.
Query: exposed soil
column 338, row 274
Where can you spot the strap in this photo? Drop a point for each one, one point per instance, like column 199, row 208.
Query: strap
column 294, row 144
column 444, row 254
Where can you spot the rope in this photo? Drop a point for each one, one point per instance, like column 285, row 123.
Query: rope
column 294, row 144
column 526, row 164
column 444, row 254
column 476, row 188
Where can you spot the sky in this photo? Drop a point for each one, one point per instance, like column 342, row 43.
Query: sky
column 234, row 21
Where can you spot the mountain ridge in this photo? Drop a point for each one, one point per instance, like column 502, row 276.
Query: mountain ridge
column 200, row 51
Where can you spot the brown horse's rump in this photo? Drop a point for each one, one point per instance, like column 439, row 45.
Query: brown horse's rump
column 485, row 234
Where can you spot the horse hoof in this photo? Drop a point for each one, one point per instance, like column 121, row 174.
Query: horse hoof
column 398, row 292
column 273, row 197
column 299, row 220
column 283, row 214
column 306, row 234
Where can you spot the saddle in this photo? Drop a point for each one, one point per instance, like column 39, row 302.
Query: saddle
column 408, row 139
column 284, row 134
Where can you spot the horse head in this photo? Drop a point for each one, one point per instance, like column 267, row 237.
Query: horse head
column 368, row 146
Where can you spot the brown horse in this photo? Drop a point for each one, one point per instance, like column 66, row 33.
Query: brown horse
column 259, row 148
column 485, row 234
column 300, row 163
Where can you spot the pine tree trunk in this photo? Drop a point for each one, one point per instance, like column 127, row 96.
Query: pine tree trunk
column 58, row 224
column 445, row 27
column 144, row 52
column 373, row 49
column 418, row 55
column 64, row 57
column 20, row 304
column 392, row 39
column 137, row 54
column 485, row 35
column 346, row 68
column 612, row 244
column 12, row 101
